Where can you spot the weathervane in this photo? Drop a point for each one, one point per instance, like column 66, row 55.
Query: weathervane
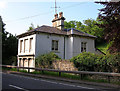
column 55, row 7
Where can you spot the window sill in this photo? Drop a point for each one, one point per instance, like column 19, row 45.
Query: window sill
column 55, row 51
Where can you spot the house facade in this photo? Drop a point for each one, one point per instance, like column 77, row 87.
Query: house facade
column 66, row 43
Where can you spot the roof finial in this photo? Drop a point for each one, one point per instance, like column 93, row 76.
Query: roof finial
column 55, row 7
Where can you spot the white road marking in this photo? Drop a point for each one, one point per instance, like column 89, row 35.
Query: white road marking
column 51, row 81
column 18, row 87
column 67, row 84
column 85, row 87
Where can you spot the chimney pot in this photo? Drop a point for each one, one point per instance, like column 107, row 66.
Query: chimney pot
column 60, row 14
column 56, row 16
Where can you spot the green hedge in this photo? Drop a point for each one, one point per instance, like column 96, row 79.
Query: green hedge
column 45, row 60
column 100, row 63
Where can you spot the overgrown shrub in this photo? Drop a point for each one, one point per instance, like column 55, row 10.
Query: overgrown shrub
column 84, row 61
column 101, row 63
column 45, row 60
column 10, row 61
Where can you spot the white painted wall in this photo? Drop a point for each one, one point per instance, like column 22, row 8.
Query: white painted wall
column 72, row 45
column 33, row 45
column 69, row 47
column 77, row 45
column 44, row 44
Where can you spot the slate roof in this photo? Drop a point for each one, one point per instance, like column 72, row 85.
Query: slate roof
column 53, row 30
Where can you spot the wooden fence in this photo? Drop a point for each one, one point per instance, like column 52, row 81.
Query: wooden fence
column 81, row 73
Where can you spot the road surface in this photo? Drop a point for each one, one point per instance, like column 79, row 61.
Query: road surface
column 25, row 83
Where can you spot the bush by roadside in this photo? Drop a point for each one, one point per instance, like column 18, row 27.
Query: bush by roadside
column 100, row 63
column 45, row 60
column 12, row 60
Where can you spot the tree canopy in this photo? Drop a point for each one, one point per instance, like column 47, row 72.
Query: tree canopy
column 110, row 15
column 89, row 26
column 9, row 46
column 31, row 27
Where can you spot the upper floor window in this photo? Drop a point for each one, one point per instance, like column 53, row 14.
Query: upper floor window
column 26, row 45
column 54, row 45
column 83, row 46
column 31, row 44
column 21, row 44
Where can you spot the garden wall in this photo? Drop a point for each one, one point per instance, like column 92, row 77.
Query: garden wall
column 64, row 65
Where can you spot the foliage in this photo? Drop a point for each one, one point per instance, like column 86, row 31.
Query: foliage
column 13, row 60
column 101, row 63
column 38, row 26
column 110, row 15
column 103, row 47
column 92, row 28
column 13, row 69
column 45, row 60
column 84, row 61
column 9, row 46
column 1, row 24
column 31, row 27
column 25, row 71
column 89, row 26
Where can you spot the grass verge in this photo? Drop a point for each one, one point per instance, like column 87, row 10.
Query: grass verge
column 66, row 75
column 103, row 47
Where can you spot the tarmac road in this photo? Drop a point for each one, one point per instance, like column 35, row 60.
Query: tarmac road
column 25, row 83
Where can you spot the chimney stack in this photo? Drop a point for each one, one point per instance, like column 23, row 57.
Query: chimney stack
column 58, row 22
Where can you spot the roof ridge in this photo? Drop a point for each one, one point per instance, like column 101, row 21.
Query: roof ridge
column 83, row 32
column 54, row 30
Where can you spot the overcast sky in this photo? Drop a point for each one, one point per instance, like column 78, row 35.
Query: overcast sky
column 19, row 14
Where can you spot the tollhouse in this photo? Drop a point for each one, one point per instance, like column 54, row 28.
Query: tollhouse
column 66, row 43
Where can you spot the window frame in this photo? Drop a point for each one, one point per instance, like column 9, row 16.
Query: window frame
column 26, row 49
column 55, row 45
column 83, row 46
column 21, row 46
column 31, row 47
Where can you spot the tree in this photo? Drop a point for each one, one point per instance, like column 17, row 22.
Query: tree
column 70, row 24
column 31, row 27
column 9, row 46
column 1, row 28
column 110, row 15
column 38, row 26
column 92, row 28
column 89, row 27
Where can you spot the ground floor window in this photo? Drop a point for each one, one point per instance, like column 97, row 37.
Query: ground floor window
column 25, row 62
column 54, row 45
column 83, row 46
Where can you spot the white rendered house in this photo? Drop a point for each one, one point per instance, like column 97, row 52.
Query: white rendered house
column 66, row 43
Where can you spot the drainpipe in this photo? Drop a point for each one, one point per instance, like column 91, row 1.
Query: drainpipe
column 64, row 47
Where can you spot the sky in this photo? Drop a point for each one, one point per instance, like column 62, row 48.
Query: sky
column 19, row 14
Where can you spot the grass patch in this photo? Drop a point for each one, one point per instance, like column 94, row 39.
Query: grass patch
column 65, row 75
column 103, row 47
column 46, row 73
column 36, row 72
column 117, row 83
column 94, row 80
column 51, row 73
column 74, row 77
column 4, row 68
column 70, row 76
column 25, row 71
column 13, row 69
